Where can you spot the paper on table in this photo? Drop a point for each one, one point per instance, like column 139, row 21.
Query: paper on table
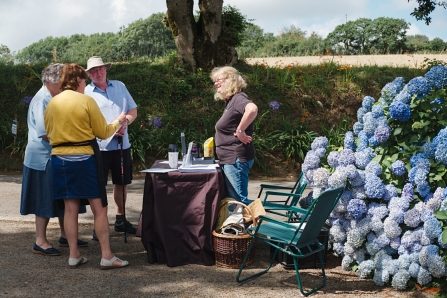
column 198, row 168
column 158, row 170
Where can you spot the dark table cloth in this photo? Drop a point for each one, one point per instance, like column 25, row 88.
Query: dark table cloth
column 179, row 212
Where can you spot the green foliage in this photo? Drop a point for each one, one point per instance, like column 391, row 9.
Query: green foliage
column 233, row 25
column 365, row 36
column 425, row 8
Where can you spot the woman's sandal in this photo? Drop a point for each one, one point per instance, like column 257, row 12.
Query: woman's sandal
column 75, row 262
column 108, row 264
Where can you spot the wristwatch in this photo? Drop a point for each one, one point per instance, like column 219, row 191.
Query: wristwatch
column 240, row 131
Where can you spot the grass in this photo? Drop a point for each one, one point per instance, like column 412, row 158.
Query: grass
column 314, row 100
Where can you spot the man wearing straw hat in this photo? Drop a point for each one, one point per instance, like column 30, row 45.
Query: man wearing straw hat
column 113, row 97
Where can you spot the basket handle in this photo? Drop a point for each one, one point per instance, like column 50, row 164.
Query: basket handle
column 255, row 221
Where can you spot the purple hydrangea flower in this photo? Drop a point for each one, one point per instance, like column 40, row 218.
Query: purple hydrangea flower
column 319, row 142
column 382, row 133
column 274, row 105
column 154, row 122
column 27, row 100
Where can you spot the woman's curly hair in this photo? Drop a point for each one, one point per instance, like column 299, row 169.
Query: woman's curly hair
column 232, row 84
column 70, row 73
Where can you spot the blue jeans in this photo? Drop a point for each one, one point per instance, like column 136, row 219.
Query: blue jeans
column 236, row 179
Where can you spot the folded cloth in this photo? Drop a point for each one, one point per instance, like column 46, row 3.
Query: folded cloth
column 234, row 229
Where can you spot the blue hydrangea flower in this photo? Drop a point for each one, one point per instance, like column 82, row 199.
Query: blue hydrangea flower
column 398, row 203
column 429, row 149
column 400, row 279
column 320, row 177
column 437, row 77
column 374, row 168
column 349, row 140
column 377, row 110
column 346, row 157
column 359, row 193
column 360, row 113
column 414, row 269
column 362, row 158
column 423, row 276
column 398, row 168
column 332, row 159
column 427, row 253
column 372, row 141
column 346, row 262
column 374, row 187
column 415, row 158
column 365, row 269
column 400, row 111
column 418, row 86
column 391, row 229
column 390, row 192
column 432, row 228
column 357, row 128
column 412, row 218
column 337, row 179
column 355, row 238
column 356, row 208
column 319, row 142
column 390, row 90
column 441, row 154
column 368, row 102
column 403, row 97
column 423, row 189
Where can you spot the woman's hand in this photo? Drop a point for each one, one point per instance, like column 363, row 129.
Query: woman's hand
column 243, row 137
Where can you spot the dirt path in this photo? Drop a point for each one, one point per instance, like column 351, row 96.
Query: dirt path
column 24, row 274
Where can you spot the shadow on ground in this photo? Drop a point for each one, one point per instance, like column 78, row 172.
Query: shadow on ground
column 24, row 274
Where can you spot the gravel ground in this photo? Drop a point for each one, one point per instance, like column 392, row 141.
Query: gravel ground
column 24, row 274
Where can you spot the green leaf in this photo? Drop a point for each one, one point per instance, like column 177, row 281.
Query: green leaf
column 441, row 214
column 444, row 237
column 397, row 131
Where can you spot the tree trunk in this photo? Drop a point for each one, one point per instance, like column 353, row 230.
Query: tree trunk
column 199, row 44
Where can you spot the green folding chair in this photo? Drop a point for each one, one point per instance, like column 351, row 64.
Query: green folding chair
column 298, row 240
column 282, row 207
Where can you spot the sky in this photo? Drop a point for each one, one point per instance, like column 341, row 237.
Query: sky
column 23, row 22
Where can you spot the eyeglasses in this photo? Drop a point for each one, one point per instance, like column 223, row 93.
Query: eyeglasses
column 219, row 80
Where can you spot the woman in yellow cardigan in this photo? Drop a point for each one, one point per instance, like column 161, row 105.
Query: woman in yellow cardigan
column 73, row 121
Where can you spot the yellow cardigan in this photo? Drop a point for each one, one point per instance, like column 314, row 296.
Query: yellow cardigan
column 75, row 117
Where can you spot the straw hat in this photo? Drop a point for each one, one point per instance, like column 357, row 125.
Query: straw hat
column 96, row 61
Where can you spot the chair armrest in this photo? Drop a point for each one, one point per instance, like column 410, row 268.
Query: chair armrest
column 281, row 194
column 275, row 221
column 298, row 209
column 271, row 186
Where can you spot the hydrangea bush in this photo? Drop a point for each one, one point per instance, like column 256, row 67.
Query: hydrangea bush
column 388, row 224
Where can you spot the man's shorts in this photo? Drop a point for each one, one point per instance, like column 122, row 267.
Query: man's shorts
column 111, row 160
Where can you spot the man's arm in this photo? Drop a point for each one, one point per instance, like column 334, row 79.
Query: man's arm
column 131, row 115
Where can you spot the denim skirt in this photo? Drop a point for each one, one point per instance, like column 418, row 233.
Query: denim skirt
column 37, row 197
column 75, row 179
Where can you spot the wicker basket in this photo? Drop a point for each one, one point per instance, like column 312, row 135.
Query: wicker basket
column 230, row 250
